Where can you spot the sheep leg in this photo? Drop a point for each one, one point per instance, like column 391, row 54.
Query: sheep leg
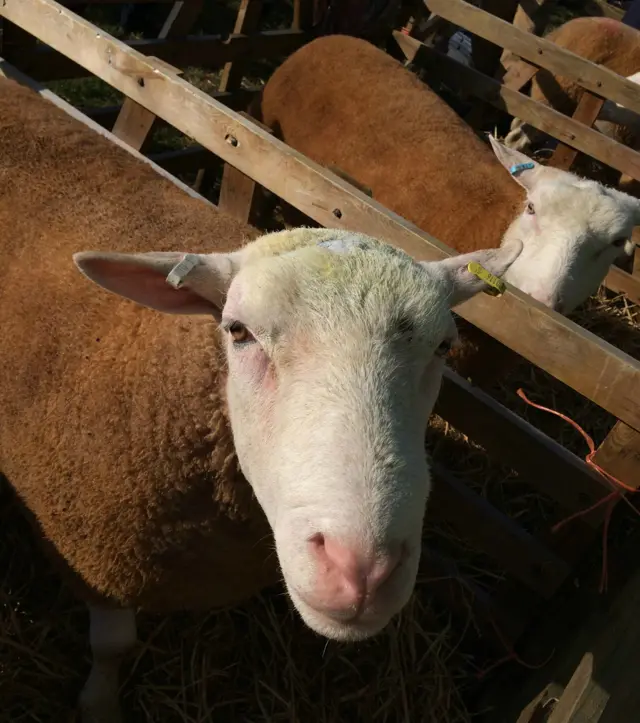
column 112, row 635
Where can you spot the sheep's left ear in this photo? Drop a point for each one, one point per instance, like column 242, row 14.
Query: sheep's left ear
column 172, row 282
column 523, row 169
column 461, row 282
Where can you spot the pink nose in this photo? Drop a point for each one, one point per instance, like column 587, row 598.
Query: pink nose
column 348, row 577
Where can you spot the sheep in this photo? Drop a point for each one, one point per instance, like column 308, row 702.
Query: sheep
column 345, row 103
column 607, row 42
column 278, row 400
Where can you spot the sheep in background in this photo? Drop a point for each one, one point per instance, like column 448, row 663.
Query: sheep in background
column 161, row 459
column 609, row 43
column 345, row 103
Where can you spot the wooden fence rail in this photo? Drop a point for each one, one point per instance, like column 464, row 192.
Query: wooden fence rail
column 538, row 51
column 594, row 368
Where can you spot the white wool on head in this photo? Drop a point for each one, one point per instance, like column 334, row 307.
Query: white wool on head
column 572, row 230
column 334, row 347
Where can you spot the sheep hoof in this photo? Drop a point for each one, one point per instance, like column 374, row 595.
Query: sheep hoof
column 113, row 634
column 99, row 708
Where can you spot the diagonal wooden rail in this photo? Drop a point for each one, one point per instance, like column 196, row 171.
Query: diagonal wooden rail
column 592, row 367
column 540, row 52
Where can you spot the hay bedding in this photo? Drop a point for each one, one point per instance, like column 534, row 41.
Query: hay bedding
column 254, row 663
column 258, row 662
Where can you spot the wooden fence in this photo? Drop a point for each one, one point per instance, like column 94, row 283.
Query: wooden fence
column 537, row 568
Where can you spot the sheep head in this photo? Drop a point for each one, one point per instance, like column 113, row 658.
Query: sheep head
column 335, row 346
column 572, row 230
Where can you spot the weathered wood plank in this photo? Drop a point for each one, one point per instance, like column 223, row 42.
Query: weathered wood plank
column 539, row 51
column 580, row 620
column 604, row 657
column 246, row 23
column 587, row 112
column 519, row 74
column 134, row 122
column 623, row 283
column 240, row 194
column 540, row 461
column 181, row 18
column 237, row 194
column 486, row 55
column 526, row 19
column 619, row 455
column 576, row 688
column 565, row 129
column 591, row 366
column 303, row 15
column 494, row 534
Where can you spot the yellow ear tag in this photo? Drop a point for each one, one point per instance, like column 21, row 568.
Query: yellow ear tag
column 496, row 285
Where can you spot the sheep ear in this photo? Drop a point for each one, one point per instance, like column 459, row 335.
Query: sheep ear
column 462, row 283
column 172, row 282
column 522, row 168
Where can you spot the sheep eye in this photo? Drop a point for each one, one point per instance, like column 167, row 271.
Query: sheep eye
column 444, row 348
column 619, row 243
column 530, row 208
column 239, row 333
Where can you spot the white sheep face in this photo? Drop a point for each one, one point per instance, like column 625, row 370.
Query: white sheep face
column 572, row 230
column 335, row 346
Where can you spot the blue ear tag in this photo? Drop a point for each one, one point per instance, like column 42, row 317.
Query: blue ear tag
column 521, row 167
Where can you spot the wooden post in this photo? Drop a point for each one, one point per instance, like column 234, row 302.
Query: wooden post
column 246, row 23
column 526, row 18
column 134, row 123
column 576, row 688
column 518, row 75
column 485, row 54
column 587, row 112
column 240, row 195
column 619, row 454
column 303, row 15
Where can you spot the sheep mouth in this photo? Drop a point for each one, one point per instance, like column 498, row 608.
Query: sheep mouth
column 348, row 626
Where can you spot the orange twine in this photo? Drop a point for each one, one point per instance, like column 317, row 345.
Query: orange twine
column 511, row 655
column 618, row 488
column 609, row 500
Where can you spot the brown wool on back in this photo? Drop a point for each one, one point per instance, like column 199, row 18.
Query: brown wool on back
column 113, row 429
column 343, row 102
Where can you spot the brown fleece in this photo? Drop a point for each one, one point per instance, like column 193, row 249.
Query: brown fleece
column 343, row 102
column 607, row 42
column 113, row 429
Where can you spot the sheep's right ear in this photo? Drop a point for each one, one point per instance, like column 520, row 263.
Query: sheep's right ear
column 172, row 282
column 461, row 282
column 523, row 170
